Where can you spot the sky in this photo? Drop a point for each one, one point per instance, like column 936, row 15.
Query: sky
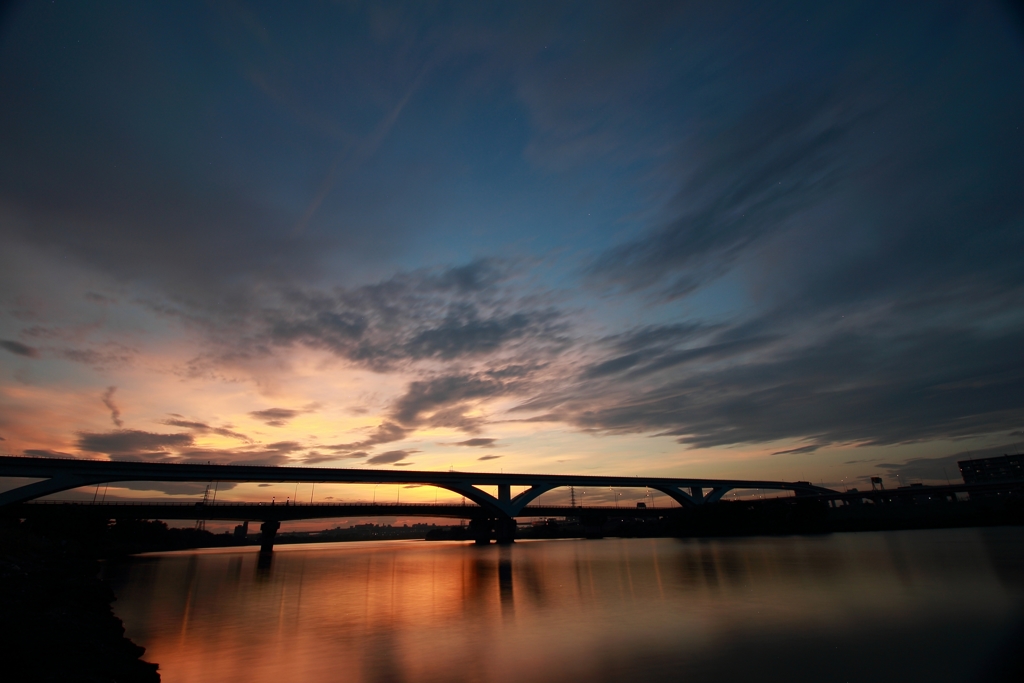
column 772, row 240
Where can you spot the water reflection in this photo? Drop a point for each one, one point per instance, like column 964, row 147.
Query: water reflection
column 902, row 606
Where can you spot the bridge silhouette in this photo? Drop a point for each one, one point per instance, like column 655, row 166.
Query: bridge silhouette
column 494, row 516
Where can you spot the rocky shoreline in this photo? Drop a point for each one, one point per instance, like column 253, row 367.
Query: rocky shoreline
column 58, row 618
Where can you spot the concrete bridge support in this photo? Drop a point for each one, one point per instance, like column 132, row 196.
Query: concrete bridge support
column 505, row 530
column 480, row 530
column 500, row 529
column 268, row 532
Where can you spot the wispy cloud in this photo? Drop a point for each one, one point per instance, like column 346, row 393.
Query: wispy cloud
column 801, row 449
column 389, row 457
column 115, row 412
column 203, row 428
column 476, row 443
column 277, row 417
column 19, row 349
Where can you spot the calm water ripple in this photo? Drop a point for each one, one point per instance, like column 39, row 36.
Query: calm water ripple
column 922, row 605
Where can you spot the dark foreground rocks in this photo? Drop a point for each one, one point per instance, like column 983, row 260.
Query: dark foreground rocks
column 58, row 624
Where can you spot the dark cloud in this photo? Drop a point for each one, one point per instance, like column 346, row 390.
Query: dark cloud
column 867, row 385
column 115, row 412
column 18, row 348
column 46, row 453
column 315, row 457
column 279, row 453
column 802, row 449
column 442, row 401
column 666, row 357
column 203, row 428
column 457, row 337
column 476, row 443
column 131, row 442
column 99, row 298
column 490, row 457
column 425, row 315
column 275, row 417
column 112, row 355
column 939, row 470
column 872, row 267
column 389, row 457
column 756, row 176
column 386, row 432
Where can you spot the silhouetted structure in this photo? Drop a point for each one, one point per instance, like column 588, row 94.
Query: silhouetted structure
column 493, row 518
column 998, row 469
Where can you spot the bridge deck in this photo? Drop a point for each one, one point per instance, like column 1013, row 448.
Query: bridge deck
column 261, row 512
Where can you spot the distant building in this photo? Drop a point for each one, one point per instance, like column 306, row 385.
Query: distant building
column 984, row 470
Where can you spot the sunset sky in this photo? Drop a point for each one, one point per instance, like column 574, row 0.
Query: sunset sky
column 718, row 239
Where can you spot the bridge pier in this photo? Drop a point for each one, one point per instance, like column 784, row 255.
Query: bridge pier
column 501, row 529
column 505, row 530
column 268, row 531
column 480, row 530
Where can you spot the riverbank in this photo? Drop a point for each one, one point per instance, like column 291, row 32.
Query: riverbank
column 59, row 623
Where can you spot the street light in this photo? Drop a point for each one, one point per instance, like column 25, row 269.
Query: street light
column 375, row 493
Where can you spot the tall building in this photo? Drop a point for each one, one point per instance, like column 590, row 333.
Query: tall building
column 983, row 470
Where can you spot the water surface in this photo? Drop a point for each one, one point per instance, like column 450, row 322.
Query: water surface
column 896, row 606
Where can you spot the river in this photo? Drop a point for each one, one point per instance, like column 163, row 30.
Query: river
column 943, row 605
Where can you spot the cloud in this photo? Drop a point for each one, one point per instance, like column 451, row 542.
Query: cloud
column 275, row 454
column 115, row 412
column 444, row 400
column 203, row 428
column 476, row 443
column 467, row 336
column 938, row 470
column 46, row 453
column 275, row 417
column 387, row 432
column 490, row 457
column 18, row 348
column 389, row 457
column 396, row 322
column 802, row 449
column 869, row 384
column 131, row 442
column 315, row 457
column 750, row 180
column 112, row 354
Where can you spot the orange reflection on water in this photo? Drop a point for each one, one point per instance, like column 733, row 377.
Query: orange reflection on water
column 577, row 610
